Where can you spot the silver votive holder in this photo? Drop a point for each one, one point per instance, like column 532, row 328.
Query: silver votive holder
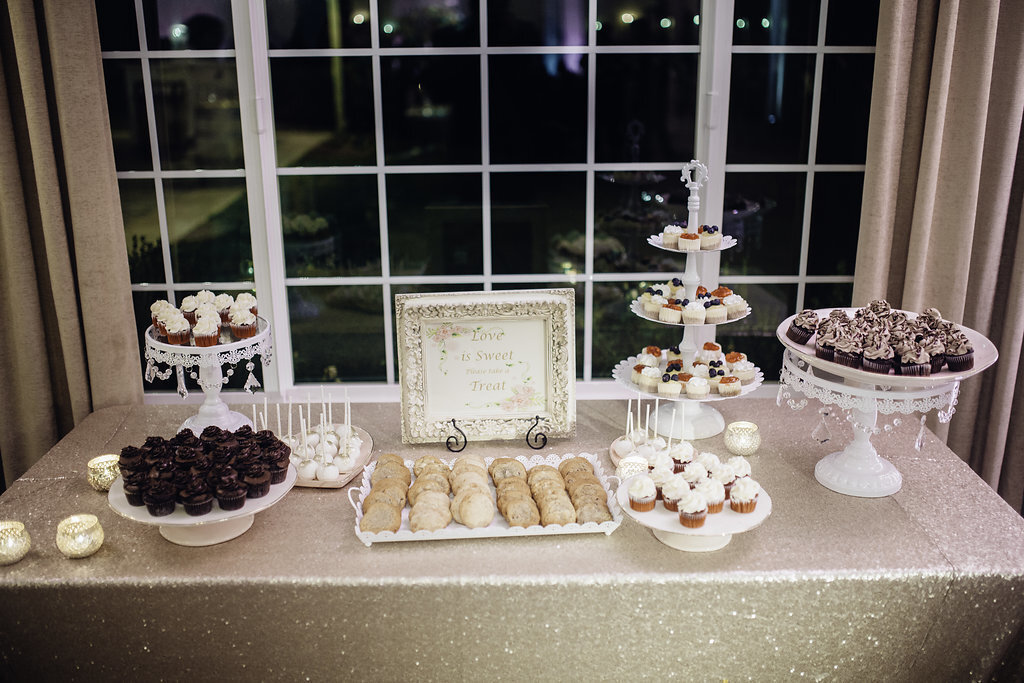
column 631, row 465
column 103, row 471
column 79, row 535
column 14, row 541
column 742, row 438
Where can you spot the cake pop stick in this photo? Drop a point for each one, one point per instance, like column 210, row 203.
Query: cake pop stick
column 656, row 420
column 309, row 411
column 330, row 414
column 290, row 432
column 263, row 419
column 278, row 405
column 254, row 423
column 629, row 411
column 671, row 429
column 647, row 422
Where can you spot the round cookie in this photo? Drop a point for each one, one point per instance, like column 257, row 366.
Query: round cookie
column 389, row 457
column 420, row 463
column 435, row 499
column 521, row 512
column 591, row 511
column 557, row 513
column 428, row 482
column 390, row 491
column 476, row 509
column 381, row 517
column 575, row 464
column 390, row 470
column 542, row 472
column 429, row 518
column 502, row 468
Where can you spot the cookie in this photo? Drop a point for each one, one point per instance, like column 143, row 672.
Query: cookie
column 513, row 484
column 390, row 470
column 428, row 482
column 469, row 458
column 390, row 491
column 429, row 518
column 592, row 511
column 389, row 457
column 575, row 464
column 464, row 479
column 420, row 463
column 442, row 470
column 521, row 512
column 434, row 499
column 542, row 472
column 502, row 468
column 588, row 490
column 476, row 509
column 381, row 517
column 558, row 512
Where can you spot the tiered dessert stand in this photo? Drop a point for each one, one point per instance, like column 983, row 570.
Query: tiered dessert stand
column 858, row 469
column 205, row 365
column 696, row 419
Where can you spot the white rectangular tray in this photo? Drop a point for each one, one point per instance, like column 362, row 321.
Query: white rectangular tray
column 499, row 527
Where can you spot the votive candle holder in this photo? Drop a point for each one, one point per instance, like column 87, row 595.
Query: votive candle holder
column 79, row 535
column 103, row 471
column 14, row 541
column 742, row 438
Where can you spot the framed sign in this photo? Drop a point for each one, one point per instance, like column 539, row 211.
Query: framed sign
column 492, row 361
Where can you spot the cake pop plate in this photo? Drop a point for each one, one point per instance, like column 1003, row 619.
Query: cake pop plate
column 716, row 533
column 216, row 526
column 358, row 463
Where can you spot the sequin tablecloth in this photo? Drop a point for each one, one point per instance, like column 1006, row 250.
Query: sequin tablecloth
column 925, row 585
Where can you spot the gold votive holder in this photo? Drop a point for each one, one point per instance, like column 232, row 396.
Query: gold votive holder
column 103, row 471
column 14, row 541
column 742, row 438
column 79, row 535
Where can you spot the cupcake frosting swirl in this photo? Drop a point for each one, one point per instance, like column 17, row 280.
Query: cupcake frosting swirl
column 692, row 502
column 915, row 354
column 806, row 319
column 745, row 490
column 712, row 490
column 740, row 466
column 958, row 344
column 878, row 349
column 642, row 487
column 848, row 343
column 675, row 488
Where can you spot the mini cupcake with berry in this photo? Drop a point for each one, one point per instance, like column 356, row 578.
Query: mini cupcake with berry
column 670, row 236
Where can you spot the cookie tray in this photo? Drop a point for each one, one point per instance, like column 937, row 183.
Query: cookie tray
column 498, row 528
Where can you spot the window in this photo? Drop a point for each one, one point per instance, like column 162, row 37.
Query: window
column 332, row 154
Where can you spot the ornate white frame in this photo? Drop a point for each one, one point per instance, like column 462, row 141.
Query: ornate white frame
column 557, row 307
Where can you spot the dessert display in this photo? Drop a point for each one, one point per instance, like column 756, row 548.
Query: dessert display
column 711, row 373
column 678, row 238
column 668, row 303
column 206, row 319
column 477, row 497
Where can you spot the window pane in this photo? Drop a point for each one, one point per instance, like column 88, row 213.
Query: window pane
column 208, row 227
column 188, row 25
column 648, row 22
column 337, row 333
column 764, row 212
column 770, row 108
column 141, row 301
column 755, row 334
column 538, row 108
column 126, row 103
column 434, row 224
column 197, row 120
column 141, row 230
column 845, row 104
column 303, row 24
column 828, row 295
column 429, row 23
column 118, row 29
column 835, row 223
column 323, row 111
column 431, row 109
column 629, row 207
column 536, row 22
column 331, row 226
column 768, row 22
column 645, row 107
column 852, row 23
column 538, row 222
column 619, row 334
column 580, row 290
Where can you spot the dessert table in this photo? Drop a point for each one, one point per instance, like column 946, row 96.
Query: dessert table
column 927, row 584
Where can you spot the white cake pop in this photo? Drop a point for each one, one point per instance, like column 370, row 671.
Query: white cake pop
column 327, row 473
column 307, row 469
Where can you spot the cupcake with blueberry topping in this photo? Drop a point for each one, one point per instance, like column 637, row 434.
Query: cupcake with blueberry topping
column 670, row 386
column 710, row 237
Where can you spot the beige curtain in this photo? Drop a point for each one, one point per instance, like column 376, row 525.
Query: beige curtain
column 67, row 335
column 941, row 218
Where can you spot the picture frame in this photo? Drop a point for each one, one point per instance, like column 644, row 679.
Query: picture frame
column 492, row 361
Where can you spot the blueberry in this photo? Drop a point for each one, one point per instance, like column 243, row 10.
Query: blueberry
column 707, row 304
column 675, row 378
column 685, row 303
column 675, row 349
column 676, row 282
column 666, row 377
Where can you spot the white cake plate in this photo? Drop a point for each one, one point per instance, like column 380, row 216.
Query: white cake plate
column 728, row 242
column 216, row 526
column 716, row 533
column 357, row 465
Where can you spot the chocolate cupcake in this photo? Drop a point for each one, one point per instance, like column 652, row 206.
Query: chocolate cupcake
column 959, row 352
column 162, row 470
column 848, row 351
column 134, row 486
column 257, row 479
column 915, row 362
column 232, row 496
column 196, row 498
column 130, row 458
column 803, row 326
column 159, row 498
column 878, row 357
column 278, row 471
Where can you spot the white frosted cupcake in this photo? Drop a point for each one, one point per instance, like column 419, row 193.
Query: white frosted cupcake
column 207, row 310
column 243, row 324
column 693, row 510
column 681, row 454
column 207, row 331
column 188, row 309
column 649, row 379
column 178, row 329
column 708, row 459
column 249, row 301
column 693, row 472
column 713, row 492
column 700, row 370
column 743, row 497
column 694, row 313
column 745, row 370
column 205, row 296
column 672, row 491
column 661, row 475
column 697, row 387
column 223, row 303
column 670, row 236
column 735, row 305
column 740, row 465
column 642, row 493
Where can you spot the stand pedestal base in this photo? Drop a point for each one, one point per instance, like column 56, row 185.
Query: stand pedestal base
column 694, row 420
column 697, row 544
column 853, row 474
column 207, row 534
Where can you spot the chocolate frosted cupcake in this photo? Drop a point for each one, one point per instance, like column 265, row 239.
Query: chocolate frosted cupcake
column 278, row 471
column 936, row 350
column 196, row 498
column 915, row 362
column 825, row 341
column 878, row 356
column 159, row 498
column 130, row 459
column 803, row 326
column 134, row 486
column 848, row 351
column 231, row 496
column 959, row 352
column 257, row 479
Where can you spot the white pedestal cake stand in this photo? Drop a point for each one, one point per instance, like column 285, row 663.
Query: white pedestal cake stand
column 858, row 469
column 205, row 365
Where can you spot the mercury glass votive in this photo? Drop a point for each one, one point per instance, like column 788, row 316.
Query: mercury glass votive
column 742, row 438
column 14, row 542
column 103, row 471
column 79, row 535
column 631, row 465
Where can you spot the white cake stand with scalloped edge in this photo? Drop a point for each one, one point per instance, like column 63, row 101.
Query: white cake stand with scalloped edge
column 858, row 469
column 716, row 533
column 207, row 363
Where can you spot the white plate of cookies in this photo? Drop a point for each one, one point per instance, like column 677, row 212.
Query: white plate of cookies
column 473, row 497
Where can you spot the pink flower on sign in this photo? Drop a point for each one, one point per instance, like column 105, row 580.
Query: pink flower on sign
column 441, row 334
column 523, row 396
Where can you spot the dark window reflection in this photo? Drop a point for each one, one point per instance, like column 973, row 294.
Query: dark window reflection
column 629, row 207
column 321, row 318
column 764, row 212
column 828, row 294
column 331, row 226
column 755, row 334
column 429, row 23
column 141, row 230
column 770, row 22
column 618, row 333
column 305, row 24
column 188, row 25
column 118, row 28
column 580, row 290
column 434, row 224
column 431, row 109
column 845, row 105
column 770, row 108
column 538, row 108
column 852, row 23
column 835, row 223
column 323, row 111
column 538, row 222
column 648, row 22
column 197, row 119
column 126, row 104
column 208, row 228
column 645, row 107
column 536, row 22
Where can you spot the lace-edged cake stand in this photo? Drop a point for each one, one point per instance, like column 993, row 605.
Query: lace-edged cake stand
column 858, row 469
column 716, row 533
column 204, row 364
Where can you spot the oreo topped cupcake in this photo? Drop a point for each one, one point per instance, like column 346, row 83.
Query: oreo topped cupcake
column 803, row 326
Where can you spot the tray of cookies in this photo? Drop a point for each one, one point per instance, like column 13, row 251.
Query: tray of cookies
column 474, row 497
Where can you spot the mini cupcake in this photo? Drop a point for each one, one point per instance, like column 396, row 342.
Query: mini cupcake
column 693, row 472
column 710, row 237
column 134, row 487
column 693, row 510
column 159, row 498
column 670, row 386
column 223, row 304
column 681, row 453
column 196, row 498
column 634, row 376
column 734, row 357
column 736, row 306
column 825, row 341
column 739, row 465
column 257, row 479
column 156, row 311
column 673, row 491
column 694, row 313
column 642, row 494
column 671, row 313
column 803, row 326
column 729, row 386
column 848, row 351
column 743, row 497
column 188, row 309
column 709, row 351
column 243, row 324
column 249, row 301
column 649, row 379
column 959, row 352
column 878, row 356
column 708, row 459
column 231, row 496
column 745, row 370
column 652, row 307
column 673, row 353
column 715, row 312
column 689, row 241
column 936, row 350
column 207, row 310
column 205, row 296
column 915, row 362
column 724, row 474
column 698, row 387
column 670, row 236
column 714, row 494
column 207, row 332
column 662, row 474
column 178, row 330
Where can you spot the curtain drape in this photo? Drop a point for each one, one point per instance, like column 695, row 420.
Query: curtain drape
column 941, row 217
column 67, row 331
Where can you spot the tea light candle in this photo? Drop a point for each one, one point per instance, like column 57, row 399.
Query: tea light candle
column 742, row 438
column 631, row 465
column 79, row 535
column 14, row 542
column 103, row 471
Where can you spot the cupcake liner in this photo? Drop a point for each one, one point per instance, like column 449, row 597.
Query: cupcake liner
column 693, row 520
column 850, row 360
column 715, row 508
column 744, row 506
column 825, row 352
column 879, row 365
column 196, row 509
column 960, row 363
column 243, row 331
column 642, row 505
column 798, row 334
column 671, row 505
column 231, row 502
column 917, row 369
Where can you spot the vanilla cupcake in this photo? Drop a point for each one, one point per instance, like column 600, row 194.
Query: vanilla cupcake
column 740, row 466
column 652, row 307
column 156, row 310
column 745, row 370
column 207, row 310
column 188, row 309
column 693, row 472
column 672, row 491
column 670, row 236
column 689, row 241
column 661, row 475
column 671, row 313
column 724, row 474
column 735, row 306
column 681, row 453
column 207, row 331
column 697, row 387
column 693, row 510
column 178, row 329
column 713, row 492
column 708, row 459
column 243, row 324
column 205, row 296
column 223, row 303
column 743, row 497
column 670, row 386
column 694, row 313
column 249, row 301
column 642, row 493
column 649, row 379
column 710, row 237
